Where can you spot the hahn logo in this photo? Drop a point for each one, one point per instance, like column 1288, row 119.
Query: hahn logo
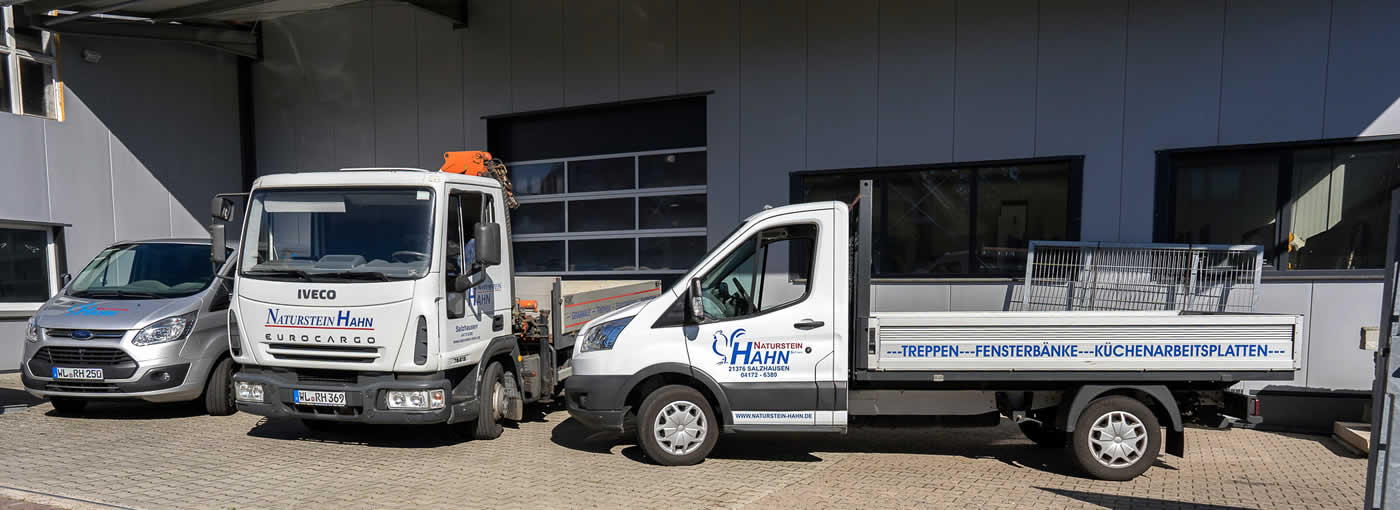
column 748, row 352
column 91, row 310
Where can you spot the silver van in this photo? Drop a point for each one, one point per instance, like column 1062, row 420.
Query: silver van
column 144, row 320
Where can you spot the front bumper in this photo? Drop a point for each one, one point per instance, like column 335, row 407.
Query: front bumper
column 597, row 401
column 364, row 397
column 161, row 379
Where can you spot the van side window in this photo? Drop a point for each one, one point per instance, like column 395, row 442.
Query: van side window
column 455, row 263
column 768, row 271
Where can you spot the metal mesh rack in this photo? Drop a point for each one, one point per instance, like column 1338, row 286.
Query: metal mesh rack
column 1066, row 275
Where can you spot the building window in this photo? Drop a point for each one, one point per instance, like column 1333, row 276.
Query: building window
column 29, row 83
column 1312, row 206
column 28, row 266
column 959, row 219
column 610, row 214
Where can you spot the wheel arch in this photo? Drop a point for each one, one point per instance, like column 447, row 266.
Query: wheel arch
column 649, row 379
column 1157, row 398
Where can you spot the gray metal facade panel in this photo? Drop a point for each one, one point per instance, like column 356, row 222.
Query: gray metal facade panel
column 537, row 54
column 1079, row 100
column 80, row 169
column 25, row 193
column 901, row 297
column 707, row 53
column 1275, row 69
column 486, row 57
column 980, row 297
column 141, row 204
column 1334, row 355
column 591, row 52
column 275, row 92
column 1361, row 70
column 349, row 77
column 773, row 108
column 396, row 76
column 1293, row 298
column 1172, row 96
column 647, row 67
column 994, row 117
column 915, row 82
column 842, row 73
column 440, row 121
column 11, row 336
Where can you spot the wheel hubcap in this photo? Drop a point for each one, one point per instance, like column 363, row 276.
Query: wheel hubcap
column 498, row 400
column 680, row 428
column 1117, row 439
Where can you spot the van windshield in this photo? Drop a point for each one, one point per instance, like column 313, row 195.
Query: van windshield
column 145, row 271
column 339, row 234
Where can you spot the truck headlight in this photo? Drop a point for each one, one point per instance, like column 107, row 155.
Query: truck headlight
column 165, row 330
column 248, row 392
column 419, row 399
column 31, row 331
column 603, row 336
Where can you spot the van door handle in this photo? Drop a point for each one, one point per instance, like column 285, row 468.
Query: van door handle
column 809, row 324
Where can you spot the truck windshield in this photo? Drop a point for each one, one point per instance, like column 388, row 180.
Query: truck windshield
column 339, row 234
column 145, row 271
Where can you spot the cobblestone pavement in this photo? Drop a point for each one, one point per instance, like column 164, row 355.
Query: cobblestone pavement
column 148, row 456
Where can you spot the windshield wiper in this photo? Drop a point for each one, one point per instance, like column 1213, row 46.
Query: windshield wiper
column 358, row 275
column 297, row 273
column 120, row 294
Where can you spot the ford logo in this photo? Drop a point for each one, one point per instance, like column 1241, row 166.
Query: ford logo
column 81, row 334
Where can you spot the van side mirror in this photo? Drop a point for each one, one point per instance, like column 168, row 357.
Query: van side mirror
column 221, row 208
column 65, row 279
column 695, row 302
column 488, row 244
column 218, row 250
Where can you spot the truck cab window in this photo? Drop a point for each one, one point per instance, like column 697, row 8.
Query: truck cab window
column 463, row 213
column 770, row 270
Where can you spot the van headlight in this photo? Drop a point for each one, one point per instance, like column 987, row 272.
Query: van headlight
column 603, row 336
column 31, row 331
column 165, row 330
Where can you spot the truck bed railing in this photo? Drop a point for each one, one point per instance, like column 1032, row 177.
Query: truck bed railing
column 1068, row 275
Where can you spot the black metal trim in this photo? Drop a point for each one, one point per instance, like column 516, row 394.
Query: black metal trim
column 729, row 429
column 247, row 134
column 595, row 106
column 772, row 395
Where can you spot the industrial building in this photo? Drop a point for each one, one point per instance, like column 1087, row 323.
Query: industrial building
column 641, row 131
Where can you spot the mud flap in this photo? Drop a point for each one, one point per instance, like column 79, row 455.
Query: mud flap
column 1176, row 442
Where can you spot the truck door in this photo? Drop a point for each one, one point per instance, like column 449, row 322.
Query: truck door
column 468, row 316
column 768, row 322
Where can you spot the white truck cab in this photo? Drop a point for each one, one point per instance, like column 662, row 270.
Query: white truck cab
column 387, row 296
column 772, row 331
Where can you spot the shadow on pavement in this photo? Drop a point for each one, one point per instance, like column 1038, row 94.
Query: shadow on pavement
column 16, row 397
column 1003, row 443
column 1117, row 501
column 132, row 410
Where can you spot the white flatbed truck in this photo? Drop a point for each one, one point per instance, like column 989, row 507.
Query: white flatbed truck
column 387, row 296
column 772, row 331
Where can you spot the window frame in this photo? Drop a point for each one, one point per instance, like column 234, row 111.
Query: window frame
column 51, row 261
column 1164, row 206
column 761, row 252
column 10, row 71
column 635, row 194
column 1074, row 206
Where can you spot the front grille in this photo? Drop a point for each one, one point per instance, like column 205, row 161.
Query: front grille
column 83, row 356
column 82, row 387
column 327, row 377
column 323, row 352
column 96, row 333
column 327, row 411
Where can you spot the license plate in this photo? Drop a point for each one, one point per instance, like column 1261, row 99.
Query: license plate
column 91, row 374
column 319, row 398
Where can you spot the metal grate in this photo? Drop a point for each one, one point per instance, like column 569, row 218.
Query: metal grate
column 82, row 387
column 1063, row 275
column 93, row 333
column 83, row 356
column 313, row 376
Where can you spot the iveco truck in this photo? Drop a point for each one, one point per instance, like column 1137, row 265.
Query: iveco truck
column 388, row 296
column 773, row 331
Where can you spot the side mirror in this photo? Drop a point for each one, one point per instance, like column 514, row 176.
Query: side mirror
column 695, row 302
column 65, row 279
column 218, row 251
column 221, row 208
column 488, row 244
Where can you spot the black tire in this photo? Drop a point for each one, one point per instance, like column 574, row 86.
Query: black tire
column 692, row 406
column 1042, row 436
column 218, row 391
column 488, row 420
column 68, row 405
column 1133, row 452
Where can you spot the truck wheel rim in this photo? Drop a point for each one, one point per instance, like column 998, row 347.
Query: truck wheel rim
column 1117, row 439
column 498, row 400
column 680, row 428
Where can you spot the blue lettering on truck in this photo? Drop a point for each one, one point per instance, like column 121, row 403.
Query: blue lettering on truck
column 1105, row 350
